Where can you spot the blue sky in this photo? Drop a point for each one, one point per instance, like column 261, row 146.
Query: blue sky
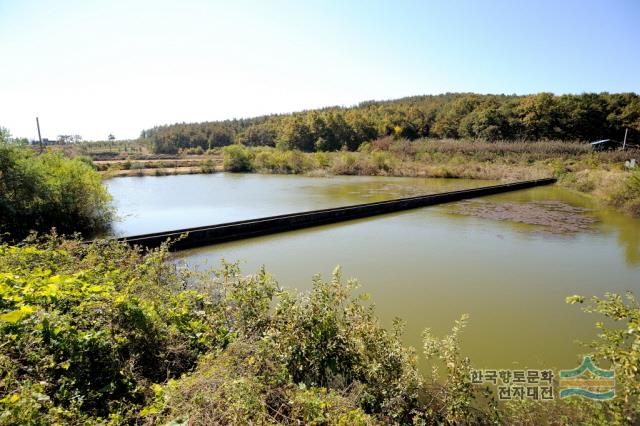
column 99, row 67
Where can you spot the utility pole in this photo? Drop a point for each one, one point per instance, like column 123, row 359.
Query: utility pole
column 39, row 135
column 625, row 138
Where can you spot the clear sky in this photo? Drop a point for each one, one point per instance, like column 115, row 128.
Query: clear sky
column 119, row 66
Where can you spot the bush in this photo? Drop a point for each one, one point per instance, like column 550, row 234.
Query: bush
column 627, row 196
column 88, row 161
column 278, row 161
column 345, row 163
column 237, row 387
column 193, row 151
column 38, row 192
column 208, row 166
column 317, row 355
column 85, row 330
column 237, row 158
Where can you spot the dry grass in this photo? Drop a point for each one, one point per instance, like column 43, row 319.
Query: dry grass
column 228, row 390
column 617, row 188
column 451, row 146
column 104, row 165
column 192, row 170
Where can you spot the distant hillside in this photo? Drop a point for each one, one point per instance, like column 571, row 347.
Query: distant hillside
column 587, row 116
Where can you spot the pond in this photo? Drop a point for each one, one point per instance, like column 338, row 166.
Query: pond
column 508, row 260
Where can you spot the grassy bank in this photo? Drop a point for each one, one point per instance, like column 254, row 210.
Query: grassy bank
column 159, row 166
column 105, row 334
column 601, row 175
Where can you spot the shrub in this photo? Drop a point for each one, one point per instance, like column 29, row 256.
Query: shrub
column 627, row 196
column 38, row 192
column 85, row 330
column 344, row 163
column 88, row 161
column 278, row 161
column 316, row 356
column 208, row 166
column 582, row 181
column 382, row 161
column 457, row 393
column 321, row 159
column 237, row 158
column 238, row 387
column 193, row 151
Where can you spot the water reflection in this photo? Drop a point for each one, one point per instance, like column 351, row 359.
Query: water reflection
column 628, row 238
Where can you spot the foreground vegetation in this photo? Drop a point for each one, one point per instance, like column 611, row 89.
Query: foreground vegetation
column 542, row 116
column 38, row 192
column 105, row 334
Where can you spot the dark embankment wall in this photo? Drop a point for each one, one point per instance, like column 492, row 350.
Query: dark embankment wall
column 207, row 235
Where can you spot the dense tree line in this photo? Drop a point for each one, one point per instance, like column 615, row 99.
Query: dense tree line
column 587, row 116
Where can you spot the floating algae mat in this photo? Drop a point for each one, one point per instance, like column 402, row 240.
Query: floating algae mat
column 553, row 217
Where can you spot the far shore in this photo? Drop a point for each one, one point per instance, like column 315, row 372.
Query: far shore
column 600, row 175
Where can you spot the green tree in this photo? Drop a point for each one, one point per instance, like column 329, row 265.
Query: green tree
column 539, row 117
column 487, row 121
column 237, row 159
column 295, row 134
column 5, row 135
column 447, row 122
column 40, row 192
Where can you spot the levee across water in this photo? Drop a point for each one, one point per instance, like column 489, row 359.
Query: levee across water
column 208, row 235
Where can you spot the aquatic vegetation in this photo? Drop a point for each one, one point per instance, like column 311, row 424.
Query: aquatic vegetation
column 548, row 216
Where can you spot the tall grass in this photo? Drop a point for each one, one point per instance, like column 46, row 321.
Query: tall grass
column 627, row 195
column 539, row 149
column 578, row 166
column 271, row 160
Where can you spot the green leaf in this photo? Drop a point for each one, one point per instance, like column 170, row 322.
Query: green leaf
column 572, row 300
column 15, row 316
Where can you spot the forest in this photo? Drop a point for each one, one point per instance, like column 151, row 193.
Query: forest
column 542, row 116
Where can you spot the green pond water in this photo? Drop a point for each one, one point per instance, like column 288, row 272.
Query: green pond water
column 427, row 266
